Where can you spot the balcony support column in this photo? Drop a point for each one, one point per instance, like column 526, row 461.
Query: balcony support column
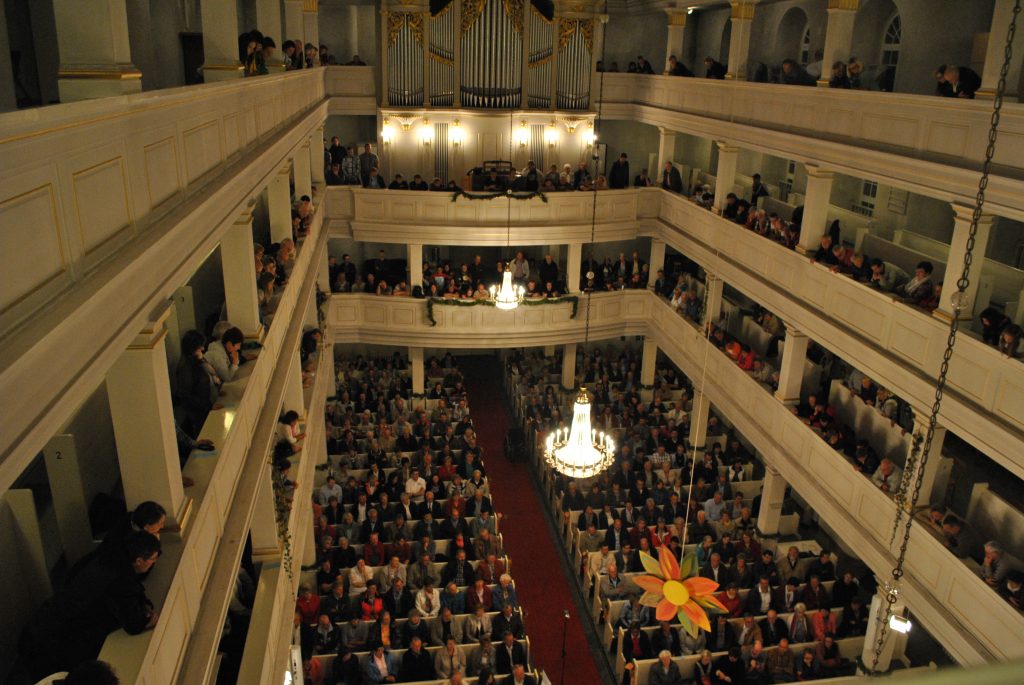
column 311, row 23
column 649, row 362
column 303, row 172
column 294, row 400
column 573, row 264
column 791, row 375
column 698, row 417
column 263, row 529
column 773, row 493
column 316, row 156
column 955, row 264
column 838, row 36
column 666, row 150
column 938, row 467
column 139, row 392
column 657, row 260
column 725, row 178
column 739, row 42
column 220, row 42
column 715, row 286
column 238, row 266
column 415, row 259
column 676, row 35
column 569, row 366
column 994, row 54
column 294, row 25
column 418, row 374
column 894, row 644
column 95, row 51
column 816, row 203
column 279, row 205
column 268, row 18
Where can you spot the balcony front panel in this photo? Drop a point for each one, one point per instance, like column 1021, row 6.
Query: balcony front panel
column 893, row 342
column 402, row 216
column 353, row 90
column 405, row 321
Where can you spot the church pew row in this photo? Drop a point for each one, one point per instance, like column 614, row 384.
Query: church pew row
column 327, row 660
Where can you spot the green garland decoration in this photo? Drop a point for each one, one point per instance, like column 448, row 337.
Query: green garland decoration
column 282, row 510
column 432, row 301
column 507, row 193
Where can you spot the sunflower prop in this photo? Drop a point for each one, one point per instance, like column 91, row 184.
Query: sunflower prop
column 678, row 590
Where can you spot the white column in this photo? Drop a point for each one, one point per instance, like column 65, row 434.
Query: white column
column 279, row 205
column 21, row 518
column 68, row 492
column 238, row 266
column 316, row 156
column 8, row 96
column 220, row 42
column 838, row 36
column 791, row 375
column 263, row 528
column 657, row 260
column 139, row 392
column 415, row 259
column 418, row 373
column 294, row 25
column 95, row 52
column 937, row 468
column 293, row 397
column 715, row 286
column 666, row 151
column 303, row 172
column 816, row 202
column 573, row 264
column 649, row 362
column 955, row 264
column 894, row 642
column 676, row 34
column 268, row 19
column 569, row 366
column 773, row 492
column 739, row 40
column 698, row 418
column 994, row 53
column 311, row 25
column 725, row 178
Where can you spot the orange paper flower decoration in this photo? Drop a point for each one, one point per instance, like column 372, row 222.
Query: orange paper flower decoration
column 676, row 590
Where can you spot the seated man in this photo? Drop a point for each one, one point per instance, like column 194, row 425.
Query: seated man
column 103, row 594
column 920, row 289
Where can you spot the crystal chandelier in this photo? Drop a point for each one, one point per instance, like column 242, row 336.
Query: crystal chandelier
column 508, row 296
column 580, row 452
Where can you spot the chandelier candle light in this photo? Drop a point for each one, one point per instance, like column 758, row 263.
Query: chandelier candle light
column 509, row 296
column 580, row 451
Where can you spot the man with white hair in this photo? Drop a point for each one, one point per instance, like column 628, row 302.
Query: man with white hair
column 993, row 569
column 665, row 672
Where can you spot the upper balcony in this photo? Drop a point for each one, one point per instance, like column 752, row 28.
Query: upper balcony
column 927, row 144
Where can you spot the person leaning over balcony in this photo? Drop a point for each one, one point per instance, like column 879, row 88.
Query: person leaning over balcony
column 1009, row 340
column 888, row 476
column 333, row 176
column 959, row 540
column 993, row 567
column 963, row 82
column 224, row 354
column 886, row 276
column 677, row 68
column 713, row 69
column 643, row 66
column 642, row 180
column 398, row 183
column 103, row 594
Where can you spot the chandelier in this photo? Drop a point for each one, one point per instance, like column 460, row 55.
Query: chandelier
column 580, row 452
column 508, row 296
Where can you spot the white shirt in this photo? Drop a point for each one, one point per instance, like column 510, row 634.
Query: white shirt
column 428, row 605
column 220, row 360
column 326, row 492
column 416, row 487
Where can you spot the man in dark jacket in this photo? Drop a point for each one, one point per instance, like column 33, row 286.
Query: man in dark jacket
column 714, row 69
column 618, row 177
column 104, row 594
column 670, row 178
column 417, row 663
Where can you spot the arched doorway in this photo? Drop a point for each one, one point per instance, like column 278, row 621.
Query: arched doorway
column 790, row 37
column 877, row 36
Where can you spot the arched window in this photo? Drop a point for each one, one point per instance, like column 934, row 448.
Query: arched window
column 891, row 42
column 805, row 46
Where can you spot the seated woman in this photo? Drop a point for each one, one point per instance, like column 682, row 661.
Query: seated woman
column 401, row 290
column 601, row 183
column 481, row 292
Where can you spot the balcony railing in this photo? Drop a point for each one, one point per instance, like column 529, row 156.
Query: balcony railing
column 895, row 343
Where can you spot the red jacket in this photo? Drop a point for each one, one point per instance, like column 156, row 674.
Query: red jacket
column 308, row 608
column 472, row 601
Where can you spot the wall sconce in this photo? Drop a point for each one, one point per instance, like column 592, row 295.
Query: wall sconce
column 570, row 126
column 589, row 137
column 551, row 135
column 523, row 134
column 456, row 134
column 387, row 133
column 426, row 133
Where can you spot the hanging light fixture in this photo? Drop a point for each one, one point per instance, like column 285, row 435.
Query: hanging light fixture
column 508, row 296
column 580, row 451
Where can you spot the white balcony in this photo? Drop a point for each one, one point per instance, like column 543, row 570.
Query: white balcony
column 353, row 90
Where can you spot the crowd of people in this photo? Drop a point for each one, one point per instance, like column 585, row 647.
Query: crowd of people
column 409, row 555
column 657, row 499
column 256, row 53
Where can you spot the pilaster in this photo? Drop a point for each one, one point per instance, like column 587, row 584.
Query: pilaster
column 573, row 264
column 791, row 373
column 773, row 493
column 725, row 178
column 94, row 48
column 816, row 202
column 676, row 34
column 963, row 216
column 238, row 266
column 649, row 362
column 838, row 36
column 220, row 42
column 739, row 41
column 279, row 205
column 139, row 392
column 569, row 366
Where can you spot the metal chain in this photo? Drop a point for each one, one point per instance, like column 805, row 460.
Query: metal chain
column 957, row 299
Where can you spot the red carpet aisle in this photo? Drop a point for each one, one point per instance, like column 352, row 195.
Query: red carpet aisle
column 536, row 565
